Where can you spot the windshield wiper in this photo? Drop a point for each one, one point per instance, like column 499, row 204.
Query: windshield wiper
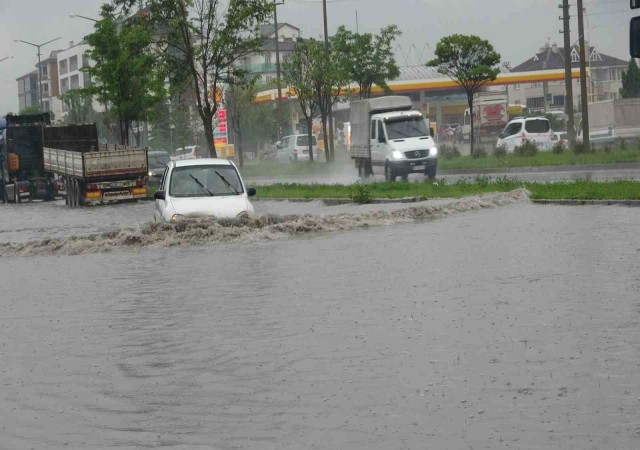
column 227, row 183
column 202, row 186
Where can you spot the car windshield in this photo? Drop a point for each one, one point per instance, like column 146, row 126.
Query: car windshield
column 203, row 181
column 406, row 128
column 159, row 161
column 304, row 140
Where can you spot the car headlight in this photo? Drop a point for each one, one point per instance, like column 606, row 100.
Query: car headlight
column 433, row 151
column 150, row 174
column 397, row 154
column 177, row 217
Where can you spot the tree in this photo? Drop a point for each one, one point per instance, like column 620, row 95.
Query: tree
column 127, row 74
column 210, row 41
column 238, row 100
column 329, row 81
column 299, row 72
column 367, row 59
column 171, row 127
column 80, row 105
column 36, row 109
column 469, row 61
column 631, row 81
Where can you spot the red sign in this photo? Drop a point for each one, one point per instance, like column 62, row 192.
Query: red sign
column 222, row 115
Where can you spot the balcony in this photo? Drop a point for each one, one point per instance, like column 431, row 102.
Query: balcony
column 260, row 68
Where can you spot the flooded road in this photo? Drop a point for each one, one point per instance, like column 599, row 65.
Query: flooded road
column 513, row 326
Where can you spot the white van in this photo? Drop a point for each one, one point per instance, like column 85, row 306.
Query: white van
column 521, row 129
column 189, row 152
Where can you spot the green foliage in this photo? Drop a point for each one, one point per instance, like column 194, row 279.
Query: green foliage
column 559, row 148
column 500, row 151
column 36, row 109
column 555, row 122
column 80, row 104
column 480, row 152
column 580, row 148
column 360, row 193
column 127, row 73
column 449, row 152
column 631, row 81
column 176, row 114
column 527, row 148
column 368, row 59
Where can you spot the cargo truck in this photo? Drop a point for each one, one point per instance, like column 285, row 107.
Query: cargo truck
column 40, row 161
column 390, row 137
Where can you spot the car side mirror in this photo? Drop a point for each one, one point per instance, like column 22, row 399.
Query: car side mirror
column 160, row 195
column 279, row 144
column 251, row 191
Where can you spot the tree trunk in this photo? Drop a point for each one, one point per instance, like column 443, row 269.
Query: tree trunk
column 208, row 133
column 310, row 138
column 471, row 116
column 239, row 149
column 327, row 151
column 331, row 141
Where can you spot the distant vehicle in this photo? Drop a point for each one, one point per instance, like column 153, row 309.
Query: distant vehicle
column 42, row 162
column 296, row 148
column 207, row 187
column 189, row 152
column 158, row 161
column 534, row 129
column 490, row 116
column 389, row 137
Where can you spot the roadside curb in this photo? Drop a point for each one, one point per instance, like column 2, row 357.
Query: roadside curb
column 540, row 169
column 573, row 202
column 329, row 201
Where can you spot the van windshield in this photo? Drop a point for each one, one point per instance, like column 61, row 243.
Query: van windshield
column 202, row 181
column 406, row 127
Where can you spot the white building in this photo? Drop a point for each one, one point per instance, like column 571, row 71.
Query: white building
column 263, row 63
column 603, row 84
column 70, row 63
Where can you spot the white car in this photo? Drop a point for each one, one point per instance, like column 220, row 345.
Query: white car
column 189, row 152
column 521, row 129
column 207, row 187
column 296, row 148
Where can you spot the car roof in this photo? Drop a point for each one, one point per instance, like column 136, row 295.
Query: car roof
column 524, row 119
column 203, row 162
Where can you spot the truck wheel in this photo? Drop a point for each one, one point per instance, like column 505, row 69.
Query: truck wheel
column 79, row 193
column 431, row 173
column 16, row 193
column 72, row 192
column 389, row 173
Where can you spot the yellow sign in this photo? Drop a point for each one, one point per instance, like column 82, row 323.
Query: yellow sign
column 14, row 161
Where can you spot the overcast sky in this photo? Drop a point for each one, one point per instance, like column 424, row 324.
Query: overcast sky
column 517, row 28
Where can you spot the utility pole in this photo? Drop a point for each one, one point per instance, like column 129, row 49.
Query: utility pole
column 583, row 78
column 568, row 81
column 279, row 102
column 328, row 146
column 38, row 46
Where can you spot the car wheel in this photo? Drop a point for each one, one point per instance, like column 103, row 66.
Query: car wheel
column 389, row 173
column 431, row 173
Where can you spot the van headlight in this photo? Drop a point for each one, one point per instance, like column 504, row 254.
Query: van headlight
column 150, row 174
column 397, row 154
column 177, row 217
column 433, row 151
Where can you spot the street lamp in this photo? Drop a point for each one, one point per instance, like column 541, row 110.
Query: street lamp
column 5, row 58
column 38, row 46
column 72, row 15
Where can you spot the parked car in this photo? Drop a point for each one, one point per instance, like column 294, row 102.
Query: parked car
column 158, row 161
column 206, row 187
column 521, row 129
column 190, row 152
column 296, row 148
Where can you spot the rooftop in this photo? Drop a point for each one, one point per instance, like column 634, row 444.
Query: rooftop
column 552, row 57
column 268, row 29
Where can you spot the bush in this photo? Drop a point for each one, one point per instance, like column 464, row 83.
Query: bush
column 500, row 151
column 580, row 148
column 360, row 193
column 449, row 151
column 559, row 148
column 527, row 148
column 607, row 149
column 479, row 152
column 622, row 144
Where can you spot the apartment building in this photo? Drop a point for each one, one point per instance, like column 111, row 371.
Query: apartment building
column 263, row 63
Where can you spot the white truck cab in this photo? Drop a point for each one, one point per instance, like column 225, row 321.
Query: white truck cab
column 389, row 137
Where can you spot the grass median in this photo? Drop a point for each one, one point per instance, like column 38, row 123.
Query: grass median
column 572, row 190
column 274, row 169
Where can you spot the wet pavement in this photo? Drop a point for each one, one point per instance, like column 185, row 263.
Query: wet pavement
column 511, row 326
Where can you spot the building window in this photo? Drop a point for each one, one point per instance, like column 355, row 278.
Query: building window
column 558, row 101
column 536, row 84
column 86, row 82
column 45, row 71
column 64, row 85
column 75, row 82
column 575, row 57
column 47, row 106
column 63, row 67
column 73, row 63
column 85, row 61
column 267, row 58
column 535, row 103
column 45, row 89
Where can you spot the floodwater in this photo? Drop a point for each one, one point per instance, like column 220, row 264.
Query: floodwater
column 506, row 325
